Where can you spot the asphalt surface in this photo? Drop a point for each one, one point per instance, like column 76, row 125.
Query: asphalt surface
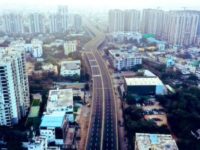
column 103, row 133
column 110, row 136
column 94, row 137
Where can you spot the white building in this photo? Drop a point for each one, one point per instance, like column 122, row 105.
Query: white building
column 37, row 50
column 181, row 27
column 116, row 20
column 13, row 23
column 70, row 68
column 38, row 143
column 144, row 86
column 55, row 23
column 36, row 23
column 124, row 59
column 59, row 20
column 128, row 20
column 14, row 88
column 152, row 21
column 77, row 23
column 69, row 47
column 146, row 141
column 53, row 126
column 132, row 20
column 48, row 67
column 35, row 47
column 63, row 12
column 61, row 100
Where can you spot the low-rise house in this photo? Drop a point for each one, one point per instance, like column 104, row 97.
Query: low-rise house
column 50, row 68
column 61, row 100
column 37, row 143
column 124, row 59
column 53, row 127
column 69, row 47
column 70, row 68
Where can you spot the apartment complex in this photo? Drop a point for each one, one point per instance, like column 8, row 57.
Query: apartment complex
column 34, row 48
column 36, row 23
column 132, row 20
column 128, row 20
column 152, row 21
column 59, row 20
column 180, row 28
column 116, row 20
column 13, row 23
column 124, row 59
column 14, row 88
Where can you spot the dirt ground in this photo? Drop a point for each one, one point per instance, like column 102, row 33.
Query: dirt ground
column 163, row 119
column 84, row 123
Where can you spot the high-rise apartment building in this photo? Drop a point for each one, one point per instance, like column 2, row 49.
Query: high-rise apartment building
column 59, row 20
column 14, row 89
column 55, row 23
column 77, row 23
column 182, row 27
column 132, row 20
column 120, row 21
column 116, row 20
column 63, row 12
column 36, row 23
column 152, row 21
column 13, row 23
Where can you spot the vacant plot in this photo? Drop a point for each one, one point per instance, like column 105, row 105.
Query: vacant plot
column 159, row 119
column 36, row 102
column 34, row 111
column 35, row 107
column 33, row 118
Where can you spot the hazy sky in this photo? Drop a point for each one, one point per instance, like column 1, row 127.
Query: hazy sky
column 97, row 4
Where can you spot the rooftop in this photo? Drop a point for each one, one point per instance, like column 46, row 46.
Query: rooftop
column 123, row 54
column 143, row 81
column 54, row 119
column 70, row 65
column 8, row 54
column 145, row 141
column 148, row 73
column 60, row 98
column 71, row 42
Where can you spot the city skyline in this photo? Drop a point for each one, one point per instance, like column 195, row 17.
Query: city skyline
column 99, row 75
column 99, row 5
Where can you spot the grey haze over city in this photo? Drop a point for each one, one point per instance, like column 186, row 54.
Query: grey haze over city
column 44, row 5
column 99, row 75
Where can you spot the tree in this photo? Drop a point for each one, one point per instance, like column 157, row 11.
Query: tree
column 38, row 66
